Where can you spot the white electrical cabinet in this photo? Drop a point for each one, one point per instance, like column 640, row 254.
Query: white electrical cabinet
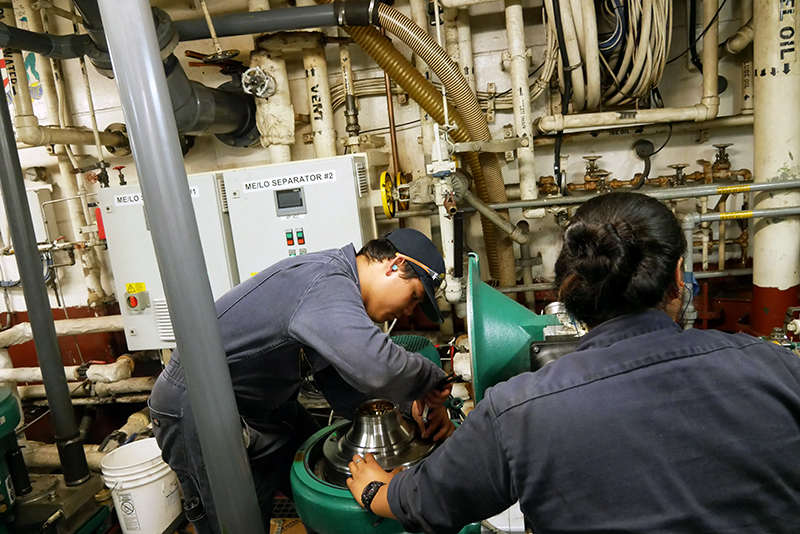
column 137, row 279
column 283, row 210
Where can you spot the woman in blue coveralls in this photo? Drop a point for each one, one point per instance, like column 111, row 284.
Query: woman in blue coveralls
column 646, row 427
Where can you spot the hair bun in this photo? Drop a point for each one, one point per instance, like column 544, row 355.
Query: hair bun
column 604, row 251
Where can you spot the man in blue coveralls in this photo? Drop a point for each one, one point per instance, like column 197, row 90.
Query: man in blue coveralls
column 313, row 314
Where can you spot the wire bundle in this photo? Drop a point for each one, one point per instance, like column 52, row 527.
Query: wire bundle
column 622, row 68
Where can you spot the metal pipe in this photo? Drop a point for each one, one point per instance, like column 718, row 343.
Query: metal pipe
column 145, row 102
column 702, row 275
column 521, row 93
column 274, row 20
column 514, row 232
column 543, row 286
column 35, row 292
column 390, row 113
column 733, row 121
column 660, row 194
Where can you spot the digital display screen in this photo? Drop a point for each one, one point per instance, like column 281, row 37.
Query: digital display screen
column 289, row 198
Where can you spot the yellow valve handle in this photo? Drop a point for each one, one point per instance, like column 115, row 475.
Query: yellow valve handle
column 387, row 195
column 401, row 180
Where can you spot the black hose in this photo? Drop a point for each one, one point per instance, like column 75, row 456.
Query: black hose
column 458, row 244
column 695, row 57
column 565, row 96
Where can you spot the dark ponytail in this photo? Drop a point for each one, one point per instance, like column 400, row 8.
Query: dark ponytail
column 619, row 256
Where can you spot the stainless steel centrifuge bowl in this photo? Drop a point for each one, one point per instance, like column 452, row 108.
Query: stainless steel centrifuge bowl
column 378, row 428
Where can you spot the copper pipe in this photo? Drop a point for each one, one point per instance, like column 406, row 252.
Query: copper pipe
column 392, row 130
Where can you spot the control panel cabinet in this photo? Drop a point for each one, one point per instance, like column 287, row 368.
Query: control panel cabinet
column 137, row 279
column 283, row 210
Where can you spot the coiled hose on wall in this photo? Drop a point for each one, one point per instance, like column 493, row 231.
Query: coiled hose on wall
column 470, row 122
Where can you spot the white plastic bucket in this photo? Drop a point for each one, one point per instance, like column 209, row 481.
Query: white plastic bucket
column 143, row 487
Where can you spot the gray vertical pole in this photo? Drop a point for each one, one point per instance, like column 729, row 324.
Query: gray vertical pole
column 29, row 262
column 154, row 138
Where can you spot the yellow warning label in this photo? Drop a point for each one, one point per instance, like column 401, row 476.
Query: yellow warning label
column 733, row 189
column 253, row 274
column 135, row 287
column 736, row 215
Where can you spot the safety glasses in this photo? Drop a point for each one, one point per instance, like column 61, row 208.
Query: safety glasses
column 438, row 279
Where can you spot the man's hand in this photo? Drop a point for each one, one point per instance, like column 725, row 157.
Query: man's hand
column 362, row 472
column 437, row 397
column 438, row 425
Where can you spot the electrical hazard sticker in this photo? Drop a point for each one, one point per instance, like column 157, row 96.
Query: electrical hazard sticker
column 135, row 287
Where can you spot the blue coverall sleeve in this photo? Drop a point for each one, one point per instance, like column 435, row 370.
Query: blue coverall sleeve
column 331, row 319
column 466, row 479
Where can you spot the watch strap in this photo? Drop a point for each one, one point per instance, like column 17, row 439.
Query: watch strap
column 368, row 495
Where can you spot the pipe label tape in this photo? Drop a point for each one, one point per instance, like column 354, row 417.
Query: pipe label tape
column 269, row 184
column 736, row 215
column 733, row 189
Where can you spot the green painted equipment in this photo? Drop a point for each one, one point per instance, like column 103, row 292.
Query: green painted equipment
column 324, row 507
column 500, row 331
column 9, row 419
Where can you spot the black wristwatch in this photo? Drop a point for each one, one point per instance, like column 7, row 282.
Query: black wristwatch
column 370, row 490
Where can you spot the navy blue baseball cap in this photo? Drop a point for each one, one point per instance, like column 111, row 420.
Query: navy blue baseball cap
column 415, row 247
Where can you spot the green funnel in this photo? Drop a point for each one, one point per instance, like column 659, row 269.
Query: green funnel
column 500, row 332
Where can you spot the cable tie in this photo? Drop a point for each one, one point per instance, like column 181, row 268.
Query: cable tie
column 573, row 67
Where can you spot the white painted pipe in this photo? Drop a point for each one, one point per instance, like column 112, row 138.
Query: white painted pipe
column 465, row 50
column 521, row 96
column 776, row 133
column 707, row 109
column 747, row 63
column 419, row 15
column 320, row 105
column 447, row 227
column 449, row 16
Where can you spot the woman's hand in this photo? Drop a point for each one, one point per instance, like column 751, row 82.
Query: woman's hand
column 438, row 425
column 362, row 472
